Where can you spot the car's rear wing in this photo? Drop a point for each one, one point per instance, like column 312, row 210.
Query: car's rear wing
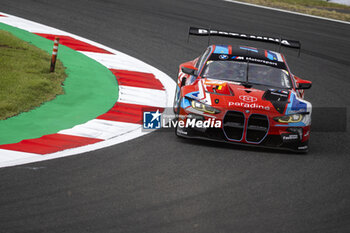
column 211, row 32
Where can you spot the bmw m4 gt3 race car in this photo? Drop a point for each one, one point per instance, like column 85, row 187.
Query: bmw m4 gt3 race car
column 250, row 91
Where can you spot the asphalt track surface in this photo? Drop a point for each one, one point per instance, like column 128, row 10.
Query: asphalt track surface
column 159, row 183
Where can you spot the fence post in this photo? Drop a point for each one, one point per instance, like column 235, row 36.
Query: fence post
column 54, row 54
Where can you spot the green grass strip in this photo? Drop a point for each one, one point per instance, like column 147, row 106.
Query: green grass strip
column 25, row 81
column 90, row 90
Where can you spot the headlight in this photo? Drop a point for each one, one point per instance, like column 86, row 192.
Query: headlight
column 289, row 118
column 204, row 108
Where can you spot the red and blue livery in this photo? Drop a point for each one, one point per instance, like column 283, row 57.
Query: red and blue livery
column 252, row 91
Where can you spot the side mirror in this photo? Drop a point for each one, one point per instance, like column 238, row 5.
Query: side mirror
column 191, row 70
column 302, row 84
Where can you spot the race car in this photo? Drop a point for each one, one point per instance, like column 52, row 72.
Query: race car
column 248, row 95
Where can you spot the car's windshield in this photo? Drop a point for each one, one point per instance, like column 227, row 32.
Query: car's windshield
column 237, row 71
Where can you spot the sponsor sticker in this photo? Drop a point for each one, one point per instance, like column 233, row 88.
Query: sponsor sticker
column 237, row 57
column 307, row 133
column 248, row 98
column 290, row 137
column 249, row 48
column 181, row 131
column 246, row 105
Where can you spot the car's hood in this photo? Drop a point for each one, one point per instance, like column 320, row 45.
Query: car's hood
column 260, row 99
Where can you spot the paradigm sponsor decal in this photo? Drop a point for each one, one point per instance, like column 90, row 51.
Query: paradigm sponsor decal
column 246, row 105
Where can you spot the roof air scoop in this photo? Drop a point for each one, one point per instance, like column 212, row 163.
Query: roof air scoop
column 247, row 90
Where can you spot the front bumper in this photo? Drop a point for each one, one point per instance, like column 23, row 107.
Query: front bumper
column 286, row 138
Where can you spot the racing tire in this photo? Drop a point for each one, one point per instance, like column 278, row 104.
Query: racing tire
column 177, row 118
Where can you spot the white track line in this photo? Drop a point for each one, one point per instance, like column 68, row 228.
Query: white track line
column 142, row 96
column 101, row 129
column 286, row 11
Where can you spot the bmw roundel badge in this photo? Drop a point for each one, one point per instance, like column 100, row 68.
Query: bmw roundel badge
column 223, row 56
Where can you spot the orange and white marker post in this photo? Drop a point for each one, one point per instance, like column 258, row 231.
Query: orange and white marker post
column 54, row 54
